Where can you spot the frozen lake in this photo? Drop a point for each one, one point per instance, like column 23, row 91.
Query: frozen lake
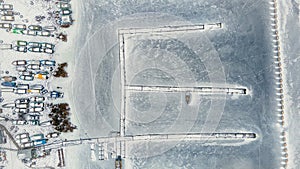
column 239, row 54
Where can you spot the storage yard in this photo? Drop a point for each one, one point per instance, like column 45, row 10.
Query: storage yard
column 34, row 111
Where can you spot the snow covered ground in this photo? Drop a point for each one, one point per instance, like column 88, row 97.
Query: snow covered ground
column 289, row 17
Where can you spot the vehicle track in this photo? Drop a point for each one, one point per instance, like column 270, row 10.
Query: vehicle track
column 10, row 136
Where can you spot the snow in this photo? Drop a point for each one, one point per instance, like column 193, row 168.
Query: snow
column 289, row 29
column 239, row 55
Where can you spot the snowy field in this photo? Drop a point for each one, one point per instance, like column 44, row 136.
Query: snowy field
column 239, row 54
column 289, row 29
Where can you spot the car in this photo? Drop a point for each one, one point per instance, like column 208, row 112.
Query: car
column 52, row 135
column 19, row 26
column 44, row 33
column 18, row 31
column 21, row 43
column 41, row 76
column 34, row 122
column 34, row 113
column 19, row 110
column 34, row 91
column 23, row 140
column 7, row 12
column 45, row 91
column 7, row 18
column 22, row 136
column 56, row 94
column 6, row 25
column 6, row 7
column 48, row 62
column 35, row 49
column 19, row 62
column 47, row 45
column 33, row 62
column 36, row 109
column 65, row 12
column 34, row 44
column 8, row 78
column 37, row 87
column 63, row 5
column 20, row 48
column 40, row 142
column 31, row 32
column 34, row 67
column 22, row 100
column 20, row 91
column 22, row 106
column 23, row 86
column 43, row 72
column 27, row 145
column 33, row 117
column 49, row 28
column 26, row 73
column 37, row 137
column 37, row 98
column 35, row 27
column 47, row 68
column 37, row 104
column 21, row 68
column 48, row 51
column 26, row 77
column 9, row 84
column 213, row 26
column 19, row 122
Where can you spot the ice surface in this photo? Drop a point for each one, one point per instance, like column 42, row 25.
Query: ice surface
column 239, row 54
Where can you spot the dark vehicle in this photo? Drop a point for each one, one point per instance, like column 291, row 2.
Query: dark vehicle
column 56, row 94
column 9, row 84
column 8, row 78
